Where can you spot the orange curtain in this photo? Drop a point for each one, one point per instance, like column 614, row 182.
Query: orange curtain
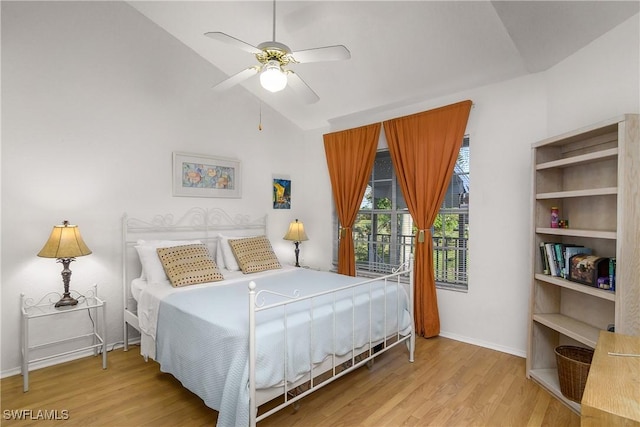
column 350, row 155
column 424, row 148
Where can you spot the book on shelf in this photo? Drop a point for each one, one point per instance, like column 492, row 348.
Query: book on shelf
column 612, row 274
column 543, row 259
column 551, row 258
column 559, row 248
column 555, row 257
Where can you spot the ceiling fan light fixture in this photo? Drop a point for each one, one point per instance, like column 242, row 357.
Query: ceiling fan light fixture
column 272, row 77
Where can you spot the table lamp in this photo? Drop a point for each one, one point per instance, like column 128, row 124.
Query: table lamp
column 65, row 243
column 296, row 234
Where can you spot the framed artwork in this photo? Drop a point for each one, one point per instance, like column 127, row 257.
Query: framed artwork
column 196, row 175
column 281, row 193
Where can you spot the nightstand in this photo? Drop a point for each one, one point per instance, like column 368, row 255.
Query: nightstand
column 46, row 307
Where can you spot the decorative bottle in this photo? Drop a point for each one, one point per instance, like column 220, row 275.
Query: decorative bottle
column 554, row 217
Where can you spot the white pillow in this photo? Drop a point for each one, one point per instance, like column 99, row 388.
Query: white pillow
column 219, row 258
column 152, row 269
column 230, row 262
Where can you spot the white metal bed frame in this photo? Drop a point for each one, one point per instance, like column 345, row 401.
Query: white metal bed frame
column 205, row 224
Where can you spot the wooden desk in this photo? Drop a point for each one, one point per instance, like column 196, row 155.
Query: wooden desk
column 612, row 393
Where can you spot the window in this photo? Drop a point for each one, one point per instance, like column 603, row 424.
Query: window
column 384, row 232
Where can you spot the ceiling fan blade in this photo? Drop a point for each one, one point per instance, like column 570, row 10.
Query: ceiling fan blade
column 226, row 38
column 301, row 88
column 328, row 53
column 236, row 78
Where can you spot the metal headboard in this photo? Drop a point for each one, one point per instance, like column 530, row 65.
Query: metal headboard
column 203, row 224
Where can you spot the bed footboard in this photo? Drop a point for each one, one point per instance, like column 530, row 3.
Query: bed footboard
column 335, row 365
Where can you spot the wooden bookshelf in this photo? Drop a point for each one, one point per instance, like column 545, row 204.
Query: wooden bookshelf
column 591, row 176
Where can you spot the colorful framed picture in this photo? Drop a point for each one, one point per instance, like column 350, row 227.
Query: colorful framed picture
column 196, row 175
column 281, row 193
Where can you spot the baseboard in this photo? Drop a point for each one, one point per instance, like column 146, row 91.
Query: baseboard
column 62, row 359
column 492, row 346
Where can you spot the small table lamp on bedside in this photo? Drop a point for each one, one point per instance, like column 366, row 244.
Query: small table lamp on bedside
column 65, row 243
column 296, row 234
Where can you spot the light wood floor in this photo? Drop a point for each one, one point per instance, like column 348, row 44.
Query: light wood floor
column 449, row 384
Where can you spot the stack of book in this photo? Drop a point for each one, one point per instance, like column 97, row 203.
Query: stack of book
column 555, row 257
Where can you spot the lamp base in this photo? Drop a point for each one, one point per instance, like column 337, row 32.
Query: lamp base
column 297, row 251
column 66, row 300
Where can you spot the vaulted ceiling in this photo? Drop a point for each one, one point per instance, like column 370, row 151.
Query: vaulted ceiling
column 401, row 52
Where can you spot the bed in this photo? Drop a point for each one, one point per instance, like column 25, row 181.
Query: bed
column 249, row 337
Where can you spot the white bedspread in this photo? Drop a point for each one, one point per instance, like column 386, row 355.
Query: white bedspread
column 149, row 297
column 202, row 333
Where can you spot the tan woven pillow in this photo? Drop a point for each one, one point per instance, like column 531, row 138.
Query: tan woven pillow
column 254, row 254
column 189, row 265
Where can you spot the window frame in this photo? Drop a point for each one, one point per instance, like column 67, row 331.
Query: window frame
column 460, row 285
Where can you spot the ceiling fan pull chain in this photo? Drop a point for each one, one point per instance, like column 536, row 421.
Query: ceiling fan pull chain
column 274, row 20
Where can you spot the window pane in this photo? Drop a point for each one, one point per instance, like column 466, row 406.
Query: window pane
column 452, row 197
column 382, row 195
column 383, row 224
column 400, row 203
column 458, row 191
column 382, row 167
column 362, row 226
column 463, row 159
column 382, row 238
column 361, row 233
column 450, row 256
column 367, row 200
column 406, row 237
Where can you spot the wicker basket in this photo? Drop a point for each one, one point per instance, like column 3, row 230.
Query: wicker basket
column 573, row 368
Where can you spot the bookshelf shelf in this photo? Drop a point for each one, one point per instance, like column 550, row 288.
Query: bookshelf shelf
column 580, row 160
column 573, row 232
column 570, row 327
column 548, row 378
column 589, row 176
column 558, row 281
column 578, row 193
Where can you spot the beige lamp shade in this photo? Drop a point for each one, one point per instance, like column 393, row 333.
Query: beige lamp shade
column 296, row 232
column 65, row 241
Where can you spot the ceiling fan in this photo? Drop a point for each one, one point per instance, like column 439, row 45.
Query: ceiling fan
column 272, row 57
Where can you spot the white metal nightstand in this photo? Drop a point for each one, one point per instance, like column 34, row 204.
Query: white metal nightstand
column 46, row 307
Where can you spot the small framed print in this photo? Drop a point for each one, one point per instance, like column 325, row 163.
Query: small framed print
column 196, row 175
column 281, row 193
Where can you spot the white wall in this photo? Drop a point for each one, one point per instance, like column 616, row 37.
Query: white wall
column 598, row 82
column 95, row 98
